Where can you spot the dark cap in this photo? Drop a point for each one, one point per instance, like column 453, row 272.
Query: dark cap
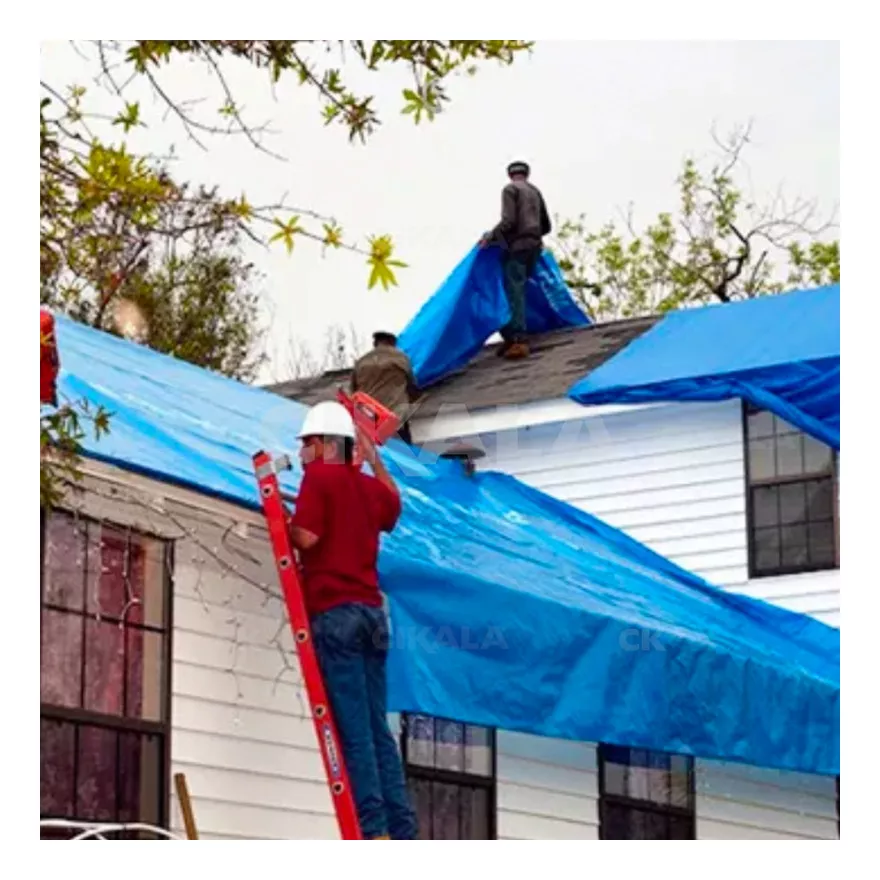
column 382, row 336
column 518, row 168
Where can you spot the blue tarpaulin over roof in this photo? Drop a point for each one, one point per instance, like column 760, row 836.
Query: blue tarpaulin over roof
column 508, row 608
column 471, row 305
column 781, row 353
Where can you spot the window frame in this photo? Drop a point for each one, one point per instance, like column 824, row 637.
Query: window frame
column 607, row 798
column 461, row 778
column 120, row 724
column 831, row 473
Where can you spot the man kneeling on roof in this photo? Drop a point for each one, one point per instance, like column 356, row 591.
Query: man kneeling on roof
column 386, row 374
column 340, row 513
column 524, row 223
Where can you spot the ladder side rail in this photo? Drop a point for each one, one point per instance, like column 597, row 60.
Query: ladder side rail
column 325, row 728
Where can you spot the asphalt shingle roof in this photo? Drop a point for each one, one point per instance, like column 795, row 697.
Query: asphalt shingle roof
column 558, row 360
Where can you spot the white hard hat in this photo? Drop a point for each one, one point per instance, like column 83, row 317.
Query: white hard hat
column 327, row 419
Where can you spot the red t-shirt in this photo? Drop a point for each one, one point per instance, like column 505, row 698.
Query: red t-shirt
column 346, row 509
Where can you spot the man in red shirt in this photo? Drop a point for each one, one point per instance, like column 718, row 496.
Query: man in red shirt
column 340, row 513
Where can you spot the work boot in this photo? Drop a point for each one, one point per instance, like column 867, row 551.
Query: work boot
column 517, row 351
column 502, row 349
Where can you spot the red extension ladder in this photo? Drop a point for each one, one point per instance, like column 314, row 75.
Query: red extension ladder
column 379, row 424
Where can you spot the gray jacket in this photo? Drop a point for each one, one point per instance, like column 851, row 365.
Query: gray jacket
column 524, row 218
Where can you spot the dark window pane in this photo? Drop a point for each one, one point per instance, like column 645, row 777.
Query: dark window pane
column 478, row 750
column 57, row 749
column 617, row 755
column 64, row 562
column 96, row 782
column 130, row 777
column 135, row 587
column 145, row 658
column 680, row 782
column 820, row 499
column 105, row 666
column 60, row 658
column 140, row 770
column 821, row 541
column 449, row 738
column 626, row 823
column 56, row 833
column 420, row 792
column 789, row 455
column 817, row 456
column 766, row 549
column 794, row 546
column 760, row 424
column 657, row 777
column 420, row 740
column 783, row 427
column 792, row 503
column 616, row 777
column 447, row 811
column 474, row 813
column 761, row 459
column 765, row 506
column 107, row 594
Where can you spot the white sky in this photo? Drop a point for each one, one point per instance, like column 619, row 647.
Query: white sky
column 602, row 124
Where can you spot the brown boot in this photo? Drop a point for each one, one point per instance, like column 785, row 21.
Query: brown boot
column 517, row 351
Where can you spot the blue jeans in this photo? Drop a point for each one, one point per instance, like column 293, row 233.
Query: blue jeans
column 351, row 642
column 517, row 268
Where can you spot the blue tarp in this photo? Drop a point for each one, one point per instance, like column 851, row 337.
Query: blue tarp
column 471, row 305
column 508, row 608
column 781, row 353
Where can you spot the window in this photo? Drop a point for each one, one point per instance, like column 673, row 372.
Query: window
column 792, row 498
column 645, row 795
column 104, row 673
column 450, row 770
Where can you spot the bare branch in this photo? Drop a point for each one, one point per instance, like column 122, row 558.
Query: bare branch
column 249, row 134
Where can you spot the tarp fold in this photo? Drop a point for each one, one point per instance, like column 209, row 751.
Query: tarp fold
column 471, row 305
column 781, row 353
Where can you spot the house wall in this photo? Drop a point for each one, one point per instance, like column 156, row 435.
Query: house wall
column 671, row 476
column 242, row 734
column 241, row 731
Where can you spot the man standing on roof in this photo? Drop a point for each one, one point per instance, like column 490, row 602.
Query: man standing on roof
column 524, row 223
column 386, row 374
column 340, row 513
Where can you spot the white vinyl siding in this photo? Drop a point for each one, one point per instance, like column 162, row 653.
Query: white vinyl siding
column 736, row 802
column 547, row 789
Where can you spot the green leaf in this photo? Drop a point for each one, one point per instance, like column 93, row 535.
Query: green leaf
column 286, row 232
column 332, row 235
column 130, row 117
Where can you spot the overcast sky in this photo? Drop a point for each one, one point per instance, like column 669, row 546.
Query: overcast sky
column 602, row 124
